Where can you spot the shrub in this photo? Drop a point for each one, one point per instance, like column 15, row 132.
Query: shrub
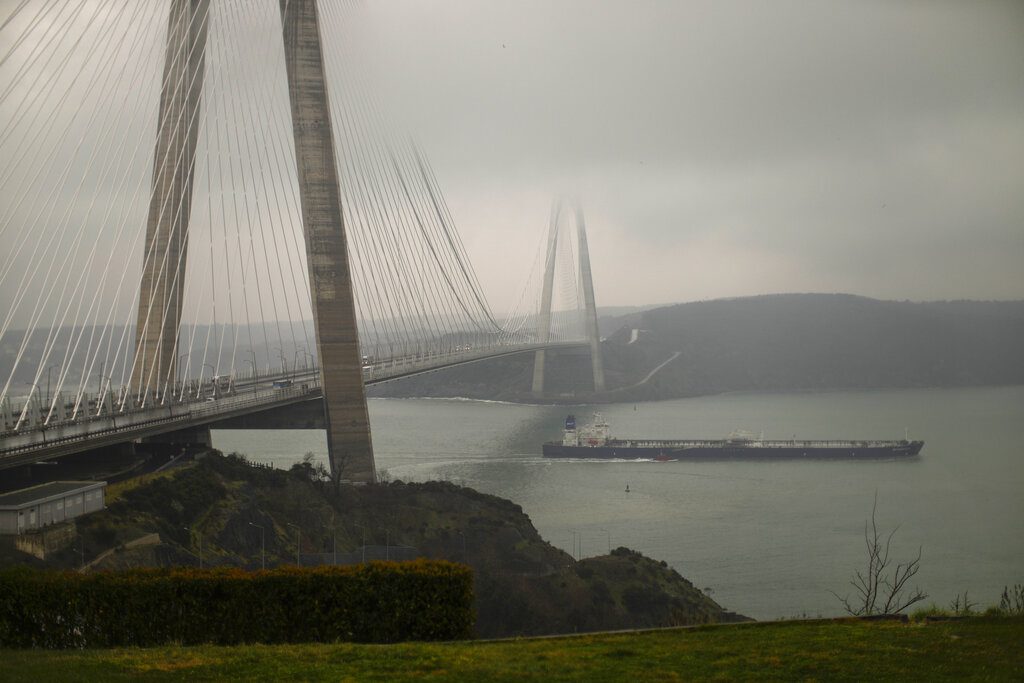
column 637, row 599
column 584, row 572
column 104, row 534
column 931, row 610
column 602, row 595
column 379, row 602
column 1012, row 600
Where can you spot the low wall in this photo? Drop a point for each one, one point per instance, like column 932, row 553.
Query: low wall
column 46, row 541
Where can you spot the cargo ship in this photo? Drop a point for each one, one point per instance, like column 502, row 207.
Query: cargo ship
column 593, row 441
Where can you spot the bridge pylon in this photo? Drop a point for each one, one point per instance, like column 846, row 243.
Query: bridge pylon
column 544, row 319
column 163, row 272
column 160, row 302
column 589, row 303
column 349, row 444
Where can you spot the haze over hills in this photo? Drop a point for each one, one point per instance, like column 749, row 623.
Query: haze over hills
column 783, row 342
column 779, row 342
column 213, row 349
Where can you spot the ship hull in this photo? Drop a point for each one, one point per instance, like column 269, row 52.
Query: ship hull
column 723, row 450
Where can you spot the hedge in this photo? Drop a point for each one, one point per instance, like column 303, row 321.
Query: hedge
column 380, row 602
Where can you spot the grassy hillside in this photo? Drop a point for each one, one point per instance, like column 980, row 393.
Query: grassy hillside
column 786, row 342
column 524, row 585
column 974, row 649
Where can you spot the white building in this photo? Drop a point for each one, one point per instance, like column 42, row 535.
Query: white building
column 38, row 506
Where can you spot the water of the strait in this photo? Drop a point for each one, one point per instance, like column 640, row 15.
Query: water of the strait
column 770, row 539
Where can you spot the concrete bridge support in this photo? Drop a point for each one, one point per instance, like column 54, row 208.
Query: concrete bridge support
column 348, row 425
column 589, row 303
column 544, row 321
column 163, row 274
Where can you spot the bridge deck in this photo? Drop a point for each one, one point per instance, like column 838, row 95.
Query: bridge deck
column 247, row 395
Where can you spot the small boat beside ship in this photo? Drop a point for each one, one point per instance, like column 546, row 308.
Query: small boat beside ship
column 594, row 441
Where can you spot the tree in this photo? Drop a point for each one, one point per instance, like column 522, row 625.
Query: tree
column 882, row 588
column 315, row 473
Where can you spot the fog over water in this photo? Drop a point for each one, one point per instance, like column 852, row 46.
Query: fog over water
column 770, row 538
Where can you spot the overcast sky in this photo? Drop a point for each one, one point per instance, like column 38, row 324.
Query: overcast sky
column 725, row 148
column 718, row 148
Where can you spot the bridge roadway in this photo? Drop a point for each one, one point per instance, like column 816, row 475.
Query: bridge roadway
column 247, row 395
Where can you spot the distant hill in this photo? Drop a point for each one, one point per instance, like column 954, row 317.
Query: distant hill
column 785, row 342
column 782, row 342
column 609, row 317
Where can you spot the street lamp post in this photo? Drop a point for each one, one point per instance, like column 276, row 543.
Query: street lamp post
column 284, row 361
column 101, row 397
column 263, row 547
column 360, row 526
column 182, row 376
column 200, row 535
column 199, row 390
column 255, row 375
column 48, row 371
column 35, row 388
column 298, row 543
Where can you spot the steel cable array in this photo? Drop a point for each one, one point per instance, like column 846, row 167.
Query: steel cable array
column 81, row 84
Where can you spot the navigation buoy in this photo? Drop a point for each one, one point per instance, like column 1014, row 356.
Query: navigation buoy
column 627, row 488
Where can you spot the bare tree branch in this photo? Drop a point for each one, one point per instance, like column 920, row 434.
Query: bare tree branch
column 877, row 583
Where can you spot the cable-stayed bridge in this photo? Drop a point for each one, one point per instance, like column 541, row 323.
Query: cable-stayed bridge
column 206, row 219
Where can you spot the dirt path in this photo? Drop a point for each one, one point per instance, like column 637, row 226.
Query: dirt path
column 148, row 539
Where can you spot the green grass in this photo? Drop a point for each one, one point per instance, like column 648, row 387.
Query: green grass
column 116, row 490
column 980, row 648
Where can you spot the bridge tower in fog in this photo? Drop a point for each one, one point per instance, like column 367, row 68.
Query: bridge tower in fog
column 348, row 427
column 586, row 286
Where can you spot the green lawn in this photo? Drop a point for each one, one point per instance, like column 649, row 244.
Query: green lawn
column 979, row 648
